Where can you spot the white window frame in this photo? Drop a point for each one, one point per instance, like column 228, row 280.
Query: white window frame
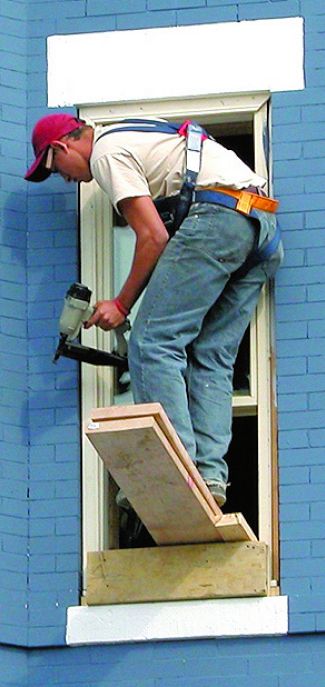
column 96, row 271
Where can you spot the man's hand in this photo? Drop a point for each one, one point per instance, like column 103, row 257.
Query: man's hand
column 106, row 316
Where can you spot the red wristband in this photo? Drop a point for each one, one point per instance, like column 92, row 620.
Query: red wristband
column 123, row 310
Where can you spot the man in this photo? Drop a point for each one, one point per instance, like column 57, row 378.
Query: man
column 201, row 290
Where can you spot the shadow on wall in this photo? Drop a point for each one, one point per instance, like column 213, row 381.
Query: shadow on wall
column 43, row 245
column 13, row 322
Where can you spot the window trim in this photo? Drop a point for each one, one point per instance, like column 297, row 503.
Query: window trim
column 96, row 245
column 177, row 620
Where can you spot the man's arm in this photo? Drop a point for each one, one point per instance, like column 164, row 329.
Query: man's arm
column 151, row 239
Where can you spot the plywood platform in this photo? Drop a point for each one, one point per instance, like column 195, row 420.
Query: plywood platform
column 146, row 458
column 173, row 573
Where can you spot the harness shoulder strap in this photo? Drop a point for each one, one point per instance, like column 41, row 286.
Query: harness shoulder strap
column 145, row 125
column 195, row 135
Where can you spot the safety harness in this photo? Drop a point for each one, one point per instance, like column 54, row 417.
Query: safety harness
column 174, row 209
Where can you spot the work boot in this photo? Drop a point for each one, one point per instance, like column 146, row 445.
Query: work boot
column 122, row 501
column 218, row 490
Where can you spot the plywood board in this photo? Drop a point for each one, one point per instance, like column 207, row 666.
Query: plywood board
column 146, row 468
column 155, row 410
column 201, row 571
column 146, row 458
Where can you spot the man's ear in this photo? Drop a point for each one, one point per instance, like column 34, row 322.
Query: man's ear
column 60, row 145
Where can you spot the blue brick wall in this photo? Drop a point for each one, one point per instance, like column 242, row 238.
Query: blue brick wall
column 299, row 177
column 13, row 327
column 268, row 662
column 39, row 426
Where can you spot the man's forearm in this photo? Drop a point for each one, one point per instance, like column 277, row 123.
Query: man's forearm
column 152, row 237
column 144, row 261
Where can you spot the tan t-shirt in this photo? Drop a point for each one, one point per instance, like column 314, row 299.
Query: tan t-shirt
column 133, row 163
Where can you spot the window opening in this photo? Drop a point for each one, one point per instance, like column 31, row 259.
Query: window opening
column 240, row 123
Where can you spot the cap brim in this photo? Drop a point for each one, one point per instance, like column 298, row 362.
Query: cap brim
column 37, row 171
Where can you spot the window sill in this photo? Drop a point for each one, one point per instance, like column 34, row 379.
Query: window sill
column 145, row 622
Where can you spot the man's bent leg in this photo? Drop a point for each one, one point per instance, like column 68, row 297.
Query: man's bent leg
column 210, row 373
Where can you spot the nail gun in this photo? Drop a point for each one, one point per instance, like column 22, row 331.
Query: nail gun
column 76, row 311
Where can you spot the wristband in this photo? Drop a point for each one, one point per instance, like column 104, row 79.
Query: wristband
column 123, row 310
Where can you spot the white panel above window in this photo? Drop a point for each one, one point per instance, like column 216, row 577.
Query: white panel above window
column 184, row 61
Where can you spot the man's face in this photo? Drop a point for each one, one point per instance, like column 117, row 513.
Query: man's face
column 68, row 160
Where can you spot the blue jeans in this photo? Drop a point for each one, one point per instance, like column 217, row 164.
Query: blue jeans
column 192, row 318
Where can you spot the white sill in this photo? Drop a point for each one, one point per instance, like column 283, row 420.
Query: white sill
column 174, row 620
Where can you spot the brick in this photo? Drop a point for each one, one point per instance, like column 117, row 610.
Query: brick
column 86, row 24
column 280, row 664
column 143, row 20
column 67, row 562
column 316, row 364
column 317, row 437
column 99, row 7
column 316, row 256
column 291, row 586
column 318, row 585
column 295, row 475
column 46, row 509
column 288, row 151
column 63, row 544
column 306, row 566
column 38, row 529
column 177, row 4
column 74, row 8
column 44, row 581
column 306, row 493
column 317, row 511
column 66, row 525
column 311, row 240
column 312, row 7
column 318, row 548
column 294, row 294
column 292, row 330
column 41, row 564
column 216, row 14
column 290, row 513
column 12, row 27
column 287, row 366
column 312, row 419
column 293, row 439
column 54, row 636
column 54, row 471
column 316, row 294
column 317, row 401
column 295, row 550
column 304, row 383
column 293, row 402
column 312, row 530
column 69, row 488
column 320, row 622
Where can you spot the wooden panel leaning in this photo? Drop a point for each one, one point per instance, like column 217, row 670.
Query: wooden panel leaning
column 173, row 573
column 146, row 458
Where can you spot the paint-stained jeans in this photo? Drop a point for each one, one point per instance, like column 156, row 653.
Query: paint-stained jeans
column 185, row 339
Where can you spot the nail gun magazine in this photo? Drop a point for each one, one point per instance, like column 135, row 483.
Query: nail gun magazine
column 77, row 310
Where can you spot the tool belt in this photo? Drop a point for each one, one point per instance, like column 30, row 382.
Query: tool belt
column 244, row 200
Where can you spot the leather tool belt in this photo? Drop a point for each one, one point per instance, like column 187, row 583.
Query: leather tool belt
column 244, row 201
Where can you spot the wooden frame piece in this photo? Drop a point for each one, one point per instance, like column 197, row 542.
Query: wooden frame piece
column 173, row 573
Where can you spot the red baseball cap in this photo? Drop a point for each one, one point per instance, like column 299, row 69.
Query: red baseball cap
column 48, row 129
